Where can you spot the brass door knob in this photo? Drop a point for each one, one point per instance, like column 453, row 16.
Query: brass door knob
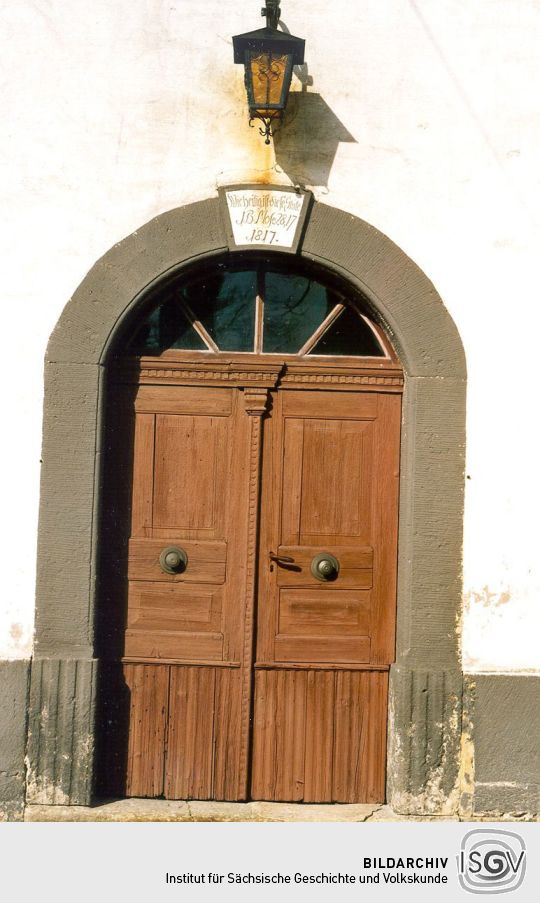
column 173, row 560
column 325, row 566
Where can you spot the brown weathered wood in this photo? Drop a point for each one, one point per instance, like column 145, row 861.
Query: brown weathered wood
column 279, row 735
column 228, row 778
column 143, row 475
column 206, row 560
column 158, row 399
column 318, row 666
column 385, row 528
column 190, row 753
column 319, row 736
column 231, row 478
column 322, row 648
column 201, row 663
column 176, row 645
column 189, row 472
column 331, row 460
column 255, row 402
column 148, row 688
column 356, row 566
column 342, row 612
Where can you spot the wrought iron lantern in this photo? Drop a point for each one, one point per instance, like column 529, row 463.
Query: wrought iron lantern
column 268, row 56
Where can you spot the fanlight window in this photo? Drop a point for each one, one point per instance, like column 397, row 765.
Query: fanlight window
column 261, row 309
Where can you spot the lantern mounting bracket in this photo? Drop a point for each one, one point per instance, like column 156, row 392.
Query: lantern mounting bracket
column 269, row 129
column 272, row 12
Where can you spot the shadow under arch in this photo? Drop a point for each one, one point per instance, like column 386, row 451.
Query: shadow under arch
column 426, row 680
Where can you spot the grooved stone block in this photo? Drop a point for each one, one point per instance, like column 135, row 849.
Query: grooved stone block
column 13, row 704
column 505, row 718
column 431, row 523
column 424, row 741
column 61, row 731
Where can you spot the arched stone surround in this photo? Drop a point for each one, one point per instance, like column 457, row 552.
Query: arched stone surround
column 426, row 681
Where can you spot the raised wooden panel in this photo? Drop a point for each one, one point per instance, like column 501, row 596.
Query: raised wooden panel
column 326, row 480
column 331, row 502
column 355, row 566
column 309, row 612
column 321, row 649
column 322, row 404
column 148, row 688
column 319, row 736
column 174, row 607
column 143, row 475
column 162, row 644
column 189, row 473
column 206, row 560
column 185, row 400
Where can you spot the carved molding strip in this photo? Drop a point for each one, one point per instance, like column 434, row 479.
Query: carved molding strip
column 255, row 405
column 266, row 377
column 230, row 376
column 343, row 379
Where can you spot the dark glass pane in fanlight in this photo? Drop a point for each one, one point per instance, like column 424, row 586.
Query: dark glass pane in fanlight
column 294, row 306
column 350, row 335
column 225, row 304
column 166, row 327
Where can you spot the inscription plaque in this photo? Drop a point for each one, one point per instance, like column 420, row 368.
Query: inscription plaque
column 264, row 216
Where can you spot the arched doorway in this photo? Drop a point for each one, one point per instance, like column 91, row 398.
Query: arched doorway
column 426, row 680
column 249, row 543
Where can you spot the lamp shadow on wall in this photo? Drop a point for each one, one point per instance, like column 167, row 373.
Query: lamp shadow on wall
column 306, row 144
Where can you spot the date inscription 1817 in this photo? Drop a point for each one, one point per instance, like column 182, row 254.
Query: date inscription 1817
column 263, row 217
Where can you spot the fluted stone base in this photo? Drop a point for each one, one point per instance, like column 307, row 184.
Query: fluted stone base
column 61, row 731
column 424, row 741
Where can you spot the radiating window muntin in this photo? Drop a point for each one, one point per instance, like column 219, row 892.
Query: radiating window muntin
column 260, row 307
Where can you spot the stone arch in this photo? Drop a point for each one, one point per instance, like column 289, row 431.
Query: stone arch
column 426, row 679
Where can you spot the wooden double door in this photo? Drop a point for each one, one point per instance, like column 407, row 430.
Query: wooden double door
column 260, row 565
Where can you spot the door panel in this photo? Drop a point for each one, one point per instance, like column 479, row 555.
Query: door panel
column 184, row 635
column 325, row 739
column 189, row 474
column 332, row 460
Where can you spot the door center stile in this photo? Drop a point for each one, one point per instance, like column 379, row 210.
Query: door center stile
column 255, row 405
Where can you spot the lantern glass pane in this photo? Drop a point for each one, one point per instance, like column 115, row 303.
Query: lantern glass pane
column 268, row 75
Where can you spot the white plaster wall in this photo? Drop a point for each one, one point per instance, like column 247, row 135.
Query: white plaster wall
column 428, row 127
